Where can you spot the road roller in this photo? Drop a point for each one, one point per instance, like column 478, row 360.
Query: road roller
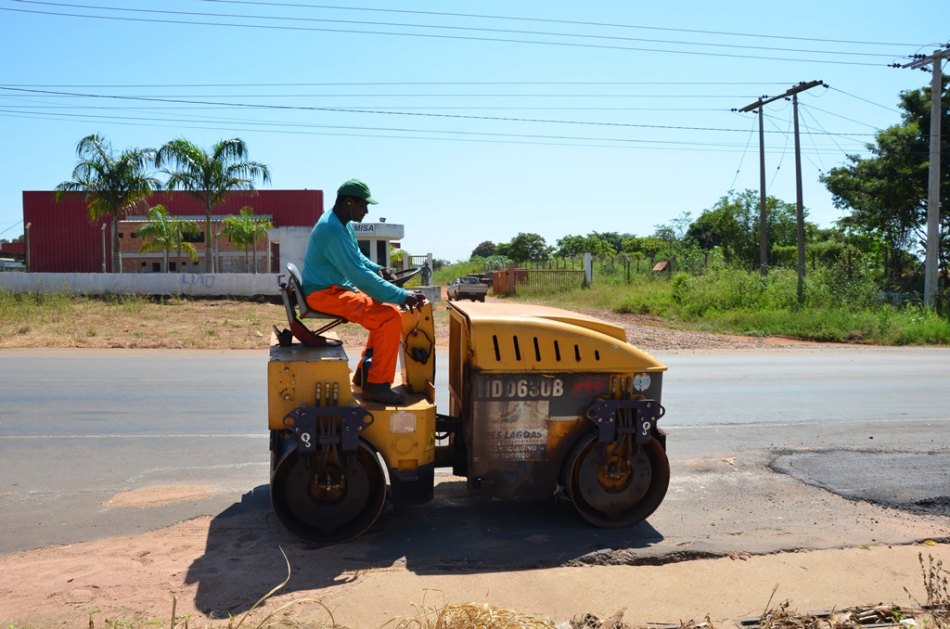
column 543, row 404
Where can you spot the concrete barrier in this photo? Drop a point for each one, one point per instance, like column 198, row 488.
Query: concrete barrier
column 173, row 284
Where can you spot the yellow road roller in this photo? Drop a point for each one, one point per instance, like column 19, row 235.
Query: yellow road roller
column 543, row 403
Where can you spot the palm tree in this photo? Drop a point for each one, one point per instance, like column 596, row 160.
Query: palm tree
column 244, row 229
column 112, row 186
column 162, row 233
column 209, row 177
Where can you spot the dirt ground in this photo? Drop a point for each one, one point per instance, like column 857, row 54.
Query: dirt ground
column 143, row 580
column 138, row 581
column 236, row 324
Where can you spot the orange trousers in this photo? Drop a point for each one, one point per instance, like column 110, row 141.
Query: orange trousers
column 384, row 322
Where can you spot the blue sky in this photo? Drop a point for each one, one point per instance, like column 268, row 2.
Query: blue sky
column 470, row 121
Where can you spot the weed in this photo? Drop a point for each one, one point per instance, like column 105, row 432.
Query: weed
column 937, row 589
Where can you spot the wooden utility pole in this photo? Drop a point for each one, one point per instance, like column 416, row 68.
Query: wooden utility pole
column 933, row 188
column 763, row 211
column 763, row 208
column 799, row 206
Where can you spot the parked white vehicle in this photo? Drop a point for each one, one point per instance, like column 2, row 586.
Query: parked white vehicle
column 466, row 287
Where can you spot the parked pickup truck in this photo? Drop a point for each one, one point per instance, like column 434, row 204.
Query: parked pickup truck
column 466, row 287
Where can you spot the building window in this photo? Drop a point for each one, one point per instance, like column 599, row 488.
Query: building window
column 156, row 267
column 199, row 237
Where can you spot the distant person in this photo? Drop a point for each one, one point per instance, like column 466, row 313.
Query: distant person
column 426, row 274
column 338, row 279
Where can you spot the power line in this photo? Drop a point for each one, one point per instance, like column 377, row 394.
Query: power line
column 71, row 106
column 429, row 95
column 449, row 28
column 376, row 111
column 442, row 36
column 375, row 84
column 831, row 113
column 781, row 159
column 557, row 21
column 274, row 127
column 742, row 158
column 870, row 102
column 20, row 222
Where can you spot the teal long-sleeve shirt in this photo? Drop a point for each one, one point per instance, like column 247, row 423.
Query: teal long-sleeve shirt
column 334, row 258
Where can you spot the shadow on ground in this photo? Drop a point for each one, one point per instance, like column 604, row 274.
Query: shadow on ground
column 450, row 535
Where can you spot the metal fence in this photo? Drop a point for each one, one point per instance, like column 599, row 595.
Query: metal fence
column 536, row 281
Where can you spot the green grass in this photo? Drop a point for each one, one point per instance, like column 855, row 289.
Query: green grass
column 28, row 308
column 838, row 306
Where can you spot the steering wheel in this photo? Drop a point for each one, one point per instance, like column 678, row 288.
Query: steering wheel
column 401, row 277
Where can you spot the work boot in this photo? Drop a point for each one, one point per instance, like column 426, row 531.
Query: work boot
column 359, row 373
column 383, row 393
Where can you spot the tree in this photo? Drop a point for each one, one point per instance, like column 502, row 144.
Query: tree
column 570, row 246
column 732, row 224
column 209, row 176
column 244, row 229
column 524, row 248
column 611, row 240
column 597, row 244
column 162, row 233
column 112, row 185
column 651, row 246
column 483, row 250
column 887, row 193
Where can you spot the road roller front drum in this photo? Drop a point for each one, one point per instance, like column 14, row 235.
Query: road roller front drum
column 618, row 483
column 329, row 496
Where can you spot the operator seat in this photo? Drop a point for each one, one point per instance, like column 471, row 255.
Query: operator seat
column 295, row 304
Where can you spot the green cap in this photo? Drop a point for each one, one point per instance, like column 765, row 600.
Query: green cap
column 358, row 189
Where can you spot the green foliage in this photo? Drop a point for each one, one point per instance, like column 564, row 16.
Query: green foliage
column 112, row 185
column 209, row 176
column 244, row 230
column 445, row 274
column 164, row 234
column 27, row 307
column 842, row 305
column 597, row 244
column 732, row 225
column 887, row 193
column 483, row 250
column 525, row 248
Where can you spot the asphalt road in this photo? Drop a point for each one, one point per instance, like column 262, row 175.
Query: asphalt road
column 771, row 450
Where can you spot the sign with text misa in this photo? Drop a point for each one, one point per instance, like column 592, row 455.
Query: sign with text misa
column 391, row 231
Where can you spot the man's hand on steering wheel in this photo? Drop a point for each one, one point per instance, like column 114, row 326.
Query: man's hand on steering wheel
column 413, row 301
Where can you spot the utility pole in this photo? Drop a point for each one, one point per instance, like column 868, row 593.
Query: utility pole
column 799, row 206
column 26, row 238
column 763, row 211
column 933, row 188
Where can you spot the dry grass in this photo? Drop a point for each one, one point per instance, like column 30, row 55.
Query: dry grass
column 934, row 613
column 57, row 321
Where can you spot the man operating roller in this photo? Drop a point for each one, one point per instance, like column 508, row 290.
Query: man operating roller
column 339, row 280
